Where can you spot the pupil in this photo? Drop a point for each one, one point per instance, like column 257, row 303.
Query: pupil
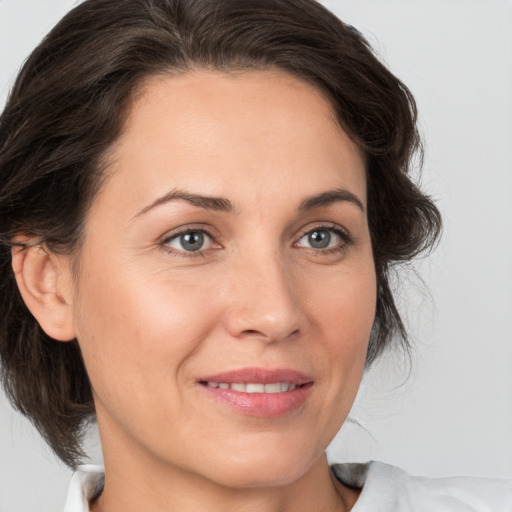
column 192, row 241
column 319, row 239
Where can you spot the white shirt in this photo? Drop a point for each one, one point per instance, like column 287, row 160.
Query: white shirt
column 385, row 489
column 389, row 489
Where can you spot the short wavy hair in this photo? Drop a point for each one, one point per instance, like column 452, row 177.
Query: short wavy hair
column 68, row 106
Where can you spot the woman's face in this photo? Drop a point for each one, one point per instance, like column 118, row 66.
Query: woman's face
column 226, row 286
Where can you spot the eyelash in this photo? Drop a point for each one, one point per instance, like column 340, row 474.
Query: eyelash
column 332, row 228
column 182, row 253
column 347, row 240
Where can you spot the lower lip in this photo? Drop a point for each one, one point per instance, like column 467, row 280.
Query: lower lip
column 264, row 405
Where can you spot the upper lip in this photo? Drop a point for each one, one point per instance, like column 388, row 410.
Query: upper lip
column 258, row 375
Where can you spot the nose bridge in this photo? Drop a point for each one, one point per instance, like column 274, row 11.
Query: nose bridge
column 263, row 296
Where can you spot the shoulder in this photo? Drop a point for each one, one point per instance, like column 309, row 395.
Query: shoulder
column 87, row 483
column 386, row 488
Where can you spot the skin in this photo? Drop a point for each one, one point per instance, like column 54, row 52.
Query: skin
column 151, row 318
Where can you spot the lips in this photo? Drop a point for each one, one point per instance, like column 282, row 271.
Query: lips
column 258, row 391
column 254, row 387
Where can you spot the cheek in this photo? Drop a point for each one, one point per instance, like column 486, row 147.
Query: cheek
column 343, row 312
column 138, row 325
column 345, row 303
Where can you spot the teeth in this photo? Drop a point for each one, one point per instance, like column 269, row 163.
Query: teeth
column 254, row 387
column 273, row 388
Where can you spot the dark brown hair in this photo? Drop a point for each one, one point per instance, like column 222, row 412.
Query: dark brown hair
column 67, row 107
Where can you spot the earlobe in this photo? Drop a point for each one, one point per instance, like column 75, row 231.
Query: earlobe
column 44, row 285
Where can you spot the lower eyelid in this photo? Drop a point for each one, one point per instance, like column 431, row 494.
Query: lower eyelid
column 165, row 243
column 345, row 238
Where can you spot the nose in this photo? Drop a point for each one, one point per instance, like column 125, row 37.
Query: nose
column 263, row 300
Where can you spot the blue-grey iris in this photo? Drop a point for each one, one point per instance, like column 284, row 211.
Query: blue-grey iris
column 192, row 241
column 319, row 239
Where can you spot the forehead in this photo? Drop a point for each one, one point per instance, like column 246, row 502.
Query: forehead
column 215, row 130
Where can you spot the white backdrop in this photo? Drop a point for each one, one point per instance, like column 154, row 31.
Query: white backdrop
column 454, row 413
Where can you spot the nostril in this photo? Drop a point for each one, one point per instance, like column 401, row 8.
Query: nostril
column 269, row 337
column 263, row 321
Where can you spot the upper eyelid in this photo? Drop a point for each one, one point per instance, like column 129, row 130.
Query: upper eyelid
column 164, row 242
column 216, row 237
column 169, row 235
column 326, row 225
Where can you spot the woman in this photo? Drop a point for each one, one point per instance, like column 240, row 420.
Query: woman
column 201, row 203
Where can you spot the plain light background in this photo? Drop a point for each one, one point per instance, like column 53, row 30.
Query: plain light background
column 453, row 415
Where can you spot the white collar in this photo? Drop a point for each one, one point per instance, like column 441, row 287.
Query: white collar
column 86, row 484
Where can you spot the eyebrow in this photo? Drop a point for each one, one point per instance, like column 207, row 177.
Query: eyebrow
column 329, row 197
column 221, row 204
column 218, row 204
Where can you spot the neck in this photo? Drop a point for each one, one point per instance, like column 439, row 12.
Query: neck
column 138, row 487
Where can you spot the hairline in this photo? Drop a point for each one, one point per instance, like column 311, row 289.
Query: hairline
column 107, row 158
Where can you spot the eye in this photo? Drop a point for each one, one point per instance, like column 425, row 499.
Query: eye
column 192, row 240
column 323, row 238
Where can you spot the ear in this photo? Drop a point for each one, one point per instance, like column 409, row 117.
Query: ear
column 45, row 283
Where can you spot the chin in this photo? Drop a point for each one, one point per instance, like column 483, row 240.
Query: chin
column 274, row 468
column 250, row 477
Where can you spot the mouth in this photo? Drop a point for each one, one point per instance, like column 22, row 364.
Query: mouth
column 254, row 387
column 259, row 392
